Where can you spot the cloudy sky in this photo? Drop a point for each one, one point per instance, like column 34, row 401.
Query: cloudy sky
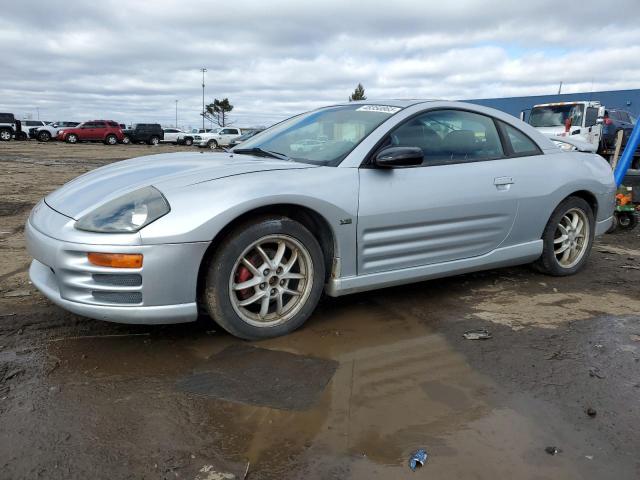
column 130, row 60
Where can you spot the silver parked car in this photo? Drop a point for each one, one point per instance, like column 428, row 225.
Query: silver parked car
column 396, row 192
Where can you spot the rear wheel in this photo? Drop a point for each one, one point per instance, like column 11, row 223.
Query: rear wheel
column 567, row 238
column 126, row 140
column 44, row 136
column 5, row 134
column 265, row 279
column 72, row 138
column 154, row 140
column 111, row 140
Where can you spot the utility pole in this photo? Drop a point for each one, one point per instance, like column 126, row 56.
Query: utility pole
column 560, row 88
column 176, row 113
column 203, row 70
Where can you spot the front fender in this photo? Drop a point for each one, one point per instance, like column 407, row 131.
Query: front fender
column 199, row 212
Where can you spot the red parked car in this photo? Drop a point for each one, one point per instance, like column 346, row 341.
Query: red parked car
column 106, row 131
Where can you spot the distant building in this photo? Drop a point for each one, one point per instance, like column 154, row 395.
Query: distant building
column 628, row 100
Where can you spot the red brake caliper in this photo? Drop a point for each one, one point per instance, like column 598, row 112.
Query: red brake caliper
column 243, row 274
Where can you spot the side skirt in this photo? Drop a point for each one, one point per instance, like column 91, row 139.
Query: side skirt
column 500, row 257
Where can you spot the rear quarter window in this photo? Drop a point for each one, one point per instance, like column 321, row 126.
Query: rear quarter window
column 521, row 145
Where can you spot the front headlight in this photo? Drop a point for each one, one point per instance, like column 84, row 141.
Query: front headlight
column 565, row 146
column 126, row 214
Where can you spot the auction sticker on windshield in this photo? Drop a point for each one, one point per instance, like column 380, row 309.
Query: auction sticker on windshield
column 378, row 108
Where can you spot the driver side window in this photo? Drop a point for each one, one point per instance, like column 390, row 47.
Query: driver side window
column 450, row 136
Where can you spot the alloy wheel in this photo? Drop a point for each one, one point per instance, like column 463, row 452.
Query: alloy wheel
column 571, row 238
column 271, row 280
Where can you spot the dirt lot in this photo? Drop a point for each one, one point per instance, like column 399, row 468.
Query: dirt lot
column 369, row 379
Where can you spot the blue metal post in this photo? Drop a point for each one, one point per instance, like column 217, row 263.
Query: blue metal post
column 627, row 155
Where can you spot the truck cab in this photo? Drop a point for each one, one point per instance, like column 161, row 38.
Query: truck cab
column 582, row 120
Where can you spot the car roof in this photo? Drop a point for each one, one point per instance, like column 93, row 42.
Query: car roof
column 392, row 102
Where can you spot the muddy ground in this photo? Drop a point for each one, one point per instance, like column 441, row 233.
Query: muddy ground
column 369, row 379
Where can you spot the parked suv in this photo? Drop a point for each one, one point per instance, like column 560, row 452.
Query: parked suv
column 28, row 125
column 7, row 126
column 172, row 135
column 46, row 133
column 614, row 121
column 150, row 133
column 106, row 131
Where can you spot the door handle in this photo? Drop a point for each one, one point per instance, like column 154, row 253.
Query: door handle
column 503, row 183
column 500, row 181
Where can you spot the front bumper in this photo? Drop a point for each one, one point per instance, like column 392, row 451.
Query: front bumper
column 162, row 291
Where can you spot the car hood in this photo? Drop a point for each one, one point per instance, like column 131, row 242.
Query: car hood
column 166, row 172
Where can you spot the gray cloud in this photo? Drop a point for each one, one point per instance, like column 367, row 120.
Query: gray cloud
column 129, row 61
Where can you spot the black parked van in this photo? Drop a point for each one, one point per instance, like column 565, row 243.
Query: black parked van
column 150, row 133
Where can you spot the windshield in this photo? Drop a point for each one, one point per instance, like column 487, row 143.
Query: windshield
column 556, row 115
column 322, row 137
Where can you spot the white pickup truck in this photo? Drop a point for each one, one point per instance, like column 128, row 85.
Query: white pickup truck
column 219, row 137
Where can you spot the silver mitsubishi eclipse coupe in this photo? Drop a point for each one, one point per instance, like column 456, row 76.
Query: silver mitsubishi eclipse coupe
column 383, row 193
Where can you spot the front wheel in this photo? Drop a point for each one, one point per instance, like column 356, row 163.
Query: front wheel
column 265, row 279
column 5, row 135
column 212, row 144
column 567, row 238
column 188, row 141
column 72, row 138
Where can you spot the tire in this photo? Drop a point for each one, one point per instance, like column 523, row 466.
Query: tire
column 126, row 140
column 188, row 141
column 110, row 140
column 627, row 221
column 568, row 264
column 5, row 134
column 154, row 140
column 226, row 269
column 72, row 138
column 43, row 136
column 212, row 144
column 22, row 136
column 614, row 224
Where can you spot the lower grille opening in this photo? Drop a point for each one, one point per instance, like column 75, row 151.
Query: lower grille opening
column 118, row 297
column 121, row 280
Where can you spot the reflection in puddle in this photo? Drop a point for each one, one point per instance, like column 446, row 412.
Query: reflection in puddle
column 398, row 387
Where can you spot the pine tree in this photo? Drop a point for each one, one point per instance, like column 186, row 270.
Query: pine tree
column 358, row 94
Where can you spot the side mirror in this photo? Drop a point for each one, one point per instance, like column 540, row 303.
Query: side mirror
column 599, row 121
column 394, row 157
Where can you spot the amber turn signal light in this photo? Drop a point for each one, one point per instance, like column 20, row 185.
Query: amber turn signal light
column 116, row 260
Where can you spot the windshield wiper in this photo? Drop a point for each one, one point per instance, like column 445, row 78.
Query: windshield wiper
column 263, row 152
